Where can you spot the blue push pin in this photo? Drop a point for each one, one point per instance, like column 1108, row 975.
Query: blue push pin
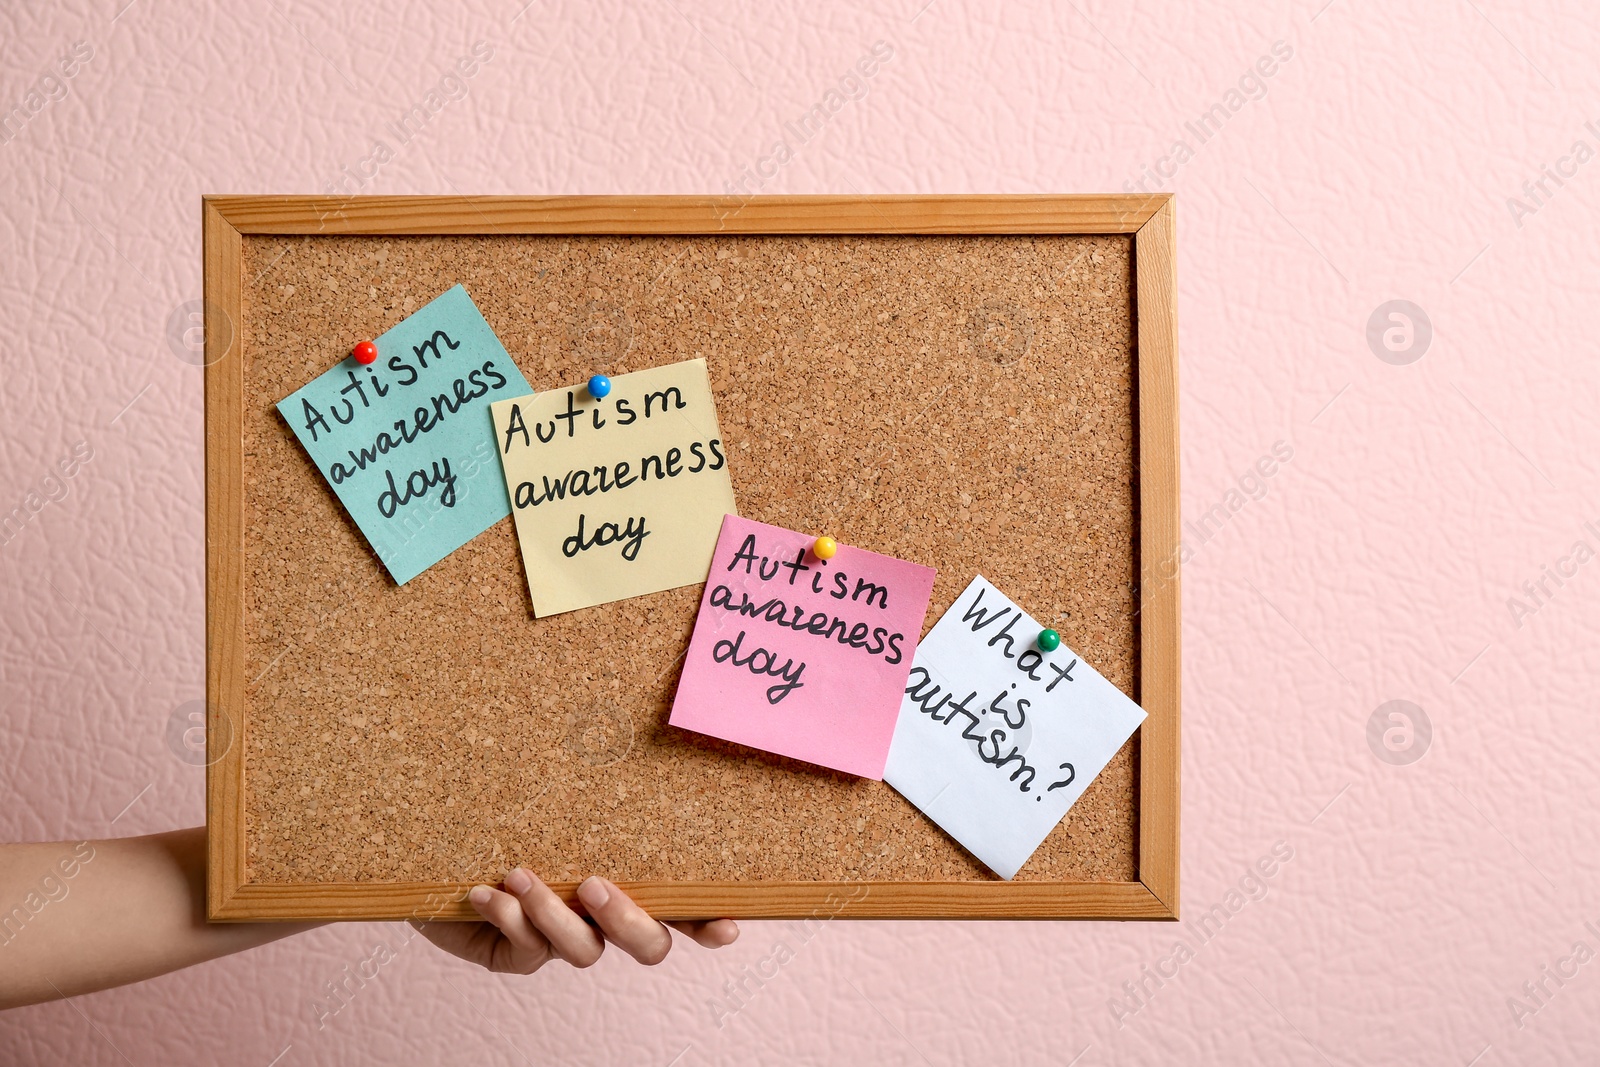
column 599, row 386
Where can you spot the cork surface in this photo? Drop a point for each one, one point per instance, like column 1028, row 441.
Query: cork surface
column 963, row 402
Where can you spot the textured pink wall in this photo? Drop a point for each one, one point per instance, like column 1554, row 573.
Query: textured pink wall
column 1377, row 566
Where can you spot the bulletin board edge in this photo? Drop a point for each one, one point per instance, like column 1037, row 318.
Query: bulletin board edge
column 654, row 215
column 225, row 622
column 1156, row 323
column 427, row 902
column 1149, row 218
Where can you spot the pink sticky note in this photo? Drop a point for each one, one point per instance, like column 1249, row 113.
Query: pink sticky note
column 800, row 656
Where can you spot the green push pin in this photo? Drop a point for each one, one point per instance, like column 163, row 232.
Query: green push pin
column 1049, row 640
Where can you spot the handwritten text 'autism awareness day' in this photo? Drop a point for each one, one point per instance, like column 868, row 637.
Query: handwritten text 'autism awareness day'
column 872, row 640
column 931, row 699
column 427, row 416
column 606, row 478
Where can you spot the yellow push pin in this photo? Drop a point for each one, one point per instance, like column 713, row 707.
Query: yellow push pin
column 824, row 547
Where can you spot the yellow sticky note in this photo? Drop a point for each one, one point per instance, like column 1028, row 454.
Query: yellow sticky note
column 618, row 496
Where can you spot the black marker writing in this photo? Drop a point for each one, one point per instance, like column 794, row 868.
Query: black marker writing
column 1029, row 661
column 672, row 393
column 416, row 487
column 587, row 481
column 656, row 403
column 528, row 423
column 768, row 568
column 874, row 640
column 924, row 691
column 760, row 661
column 630, row 537
column 408, row 431
column 1072, row 774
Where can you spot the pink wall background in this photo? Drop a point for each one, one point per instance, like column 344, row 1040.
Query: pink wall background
column 1376, row 567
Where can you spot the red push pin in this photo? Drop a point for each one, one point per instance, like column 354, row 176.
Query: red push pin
column 365, row 352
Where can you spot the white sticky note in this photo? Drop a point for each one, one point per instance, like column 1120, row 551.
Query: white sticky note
column 997, row 739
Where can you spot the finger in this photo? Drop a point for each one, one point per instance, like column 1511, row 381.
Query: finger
column 504, row 912
column 483, row 944
column 473, row 942
column 624, row 922
column 572, row 939
column 712, row 933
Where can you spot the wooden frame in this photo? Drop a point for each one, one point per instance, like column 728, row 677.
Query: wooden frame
column 230, row 897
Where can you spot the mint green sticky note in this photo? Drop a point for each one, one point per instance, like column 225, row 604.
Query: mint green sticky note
column 406, row 442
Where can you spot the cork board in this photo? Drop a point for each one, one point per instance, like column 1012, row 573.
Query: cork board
column 956, row 381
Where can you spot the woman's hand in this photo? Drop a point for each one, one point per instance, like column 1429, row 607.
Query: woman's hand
column 527, row 926
column 106, row 913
